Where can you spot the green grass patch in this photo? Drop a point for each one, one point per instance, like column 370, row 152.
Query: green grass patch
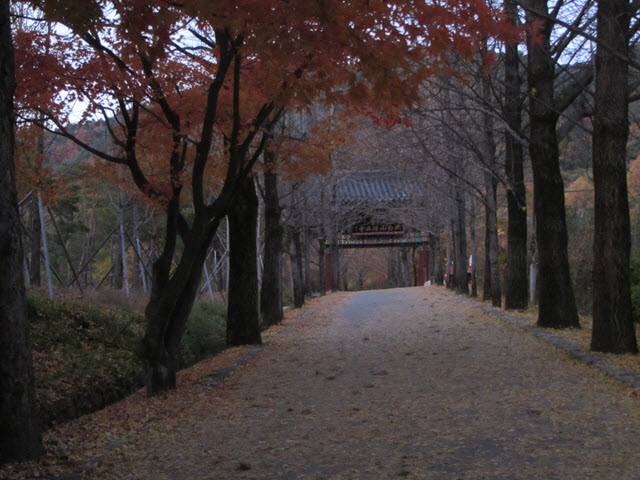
column 87, row 355
column 204, row 335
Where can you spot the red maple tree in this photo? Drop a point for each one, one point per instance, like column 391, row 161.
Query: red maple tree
column 188, row 89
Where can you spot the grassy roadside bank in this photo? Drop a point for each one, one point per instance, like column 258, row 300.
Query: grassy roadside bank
column 86, row 355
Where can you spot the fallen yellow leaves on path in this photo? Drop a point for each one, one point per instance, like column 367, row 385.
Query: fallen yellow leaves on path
column 400, row 383
column 76, row 448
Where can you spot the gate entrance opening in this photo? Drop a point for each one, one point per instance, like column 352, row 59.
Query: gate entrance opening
column 381, row 208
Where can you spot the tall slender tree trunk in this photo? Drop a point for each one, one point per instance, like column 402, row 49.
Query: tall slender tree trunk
column 613, row 328
column 117, row 272
column 296, row 267
column 432, row 259
column 36, row 234
column 87, row 244
column 516, row 295
column 486, row 281
column 19, row 428
column 136, row 282
column 492, row 233
column 448, row 262
column 438, row 275
column 557, row 306
column 491, row 204
column 345, row 277
column 271, row 291
column 460, row 237
column 332, row 221
column 243, row 322
column 414, row 263
column 492, row 289
column 335, row 267
column 474, row 249
column 306, row 250
column 321, row 251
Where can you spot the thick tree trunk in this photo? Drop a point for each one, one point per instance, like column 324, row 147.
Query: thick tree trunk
column 557, row 307
column 173, row 290
column 516, row 287
column 271, row 291
column 243, row 322
column 36, row 234
column 613, row 328
column 19, row 428
column 168, row 309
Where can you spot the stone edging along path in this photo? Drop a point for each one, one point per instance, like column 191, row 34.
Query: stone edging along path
column 595, row 359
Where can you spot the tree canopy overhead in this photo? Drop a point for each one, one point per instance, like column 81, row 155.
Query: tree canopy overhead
column 189, row 92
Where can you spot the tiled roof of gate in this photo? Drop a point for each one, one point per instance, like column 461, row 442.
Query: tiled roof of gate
column 376, row 187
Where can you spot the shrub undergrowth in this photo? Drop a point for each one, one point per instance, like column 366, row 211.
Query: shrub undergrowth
column 88, row 355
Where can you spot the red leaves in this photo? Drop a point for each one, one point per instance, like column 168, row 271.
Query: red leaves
column 370, row 56
column 537, row 31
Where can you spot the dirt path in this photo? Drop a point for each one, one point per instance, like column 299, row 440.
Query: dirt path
column 404, row 383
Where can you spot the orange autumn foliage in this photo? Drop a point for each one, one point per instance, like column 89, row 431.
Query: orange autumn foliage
column 579, row 193
column 164, row 57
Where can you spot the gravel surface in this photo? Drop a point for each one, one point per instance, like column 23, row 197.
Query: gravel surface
column 402, row 383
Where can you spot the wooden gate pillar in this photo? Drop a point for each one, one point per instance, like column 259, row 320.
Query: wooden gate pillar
column 328, row 270
column 423, row 265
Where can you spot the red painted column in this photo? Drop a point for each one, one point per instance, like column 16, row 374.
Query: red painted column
column 423, row 266
column 328, row 270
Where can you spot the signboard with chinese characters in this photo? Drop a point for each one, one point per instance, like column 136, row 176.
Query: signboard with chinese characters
column 377, row 229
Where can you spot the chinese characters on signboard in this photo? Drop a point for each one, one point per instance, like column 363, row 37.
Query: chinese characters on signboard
column 377, row 229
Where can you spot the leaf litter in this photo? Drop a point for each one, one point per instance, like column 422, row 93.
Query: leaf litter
column 495, row 402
